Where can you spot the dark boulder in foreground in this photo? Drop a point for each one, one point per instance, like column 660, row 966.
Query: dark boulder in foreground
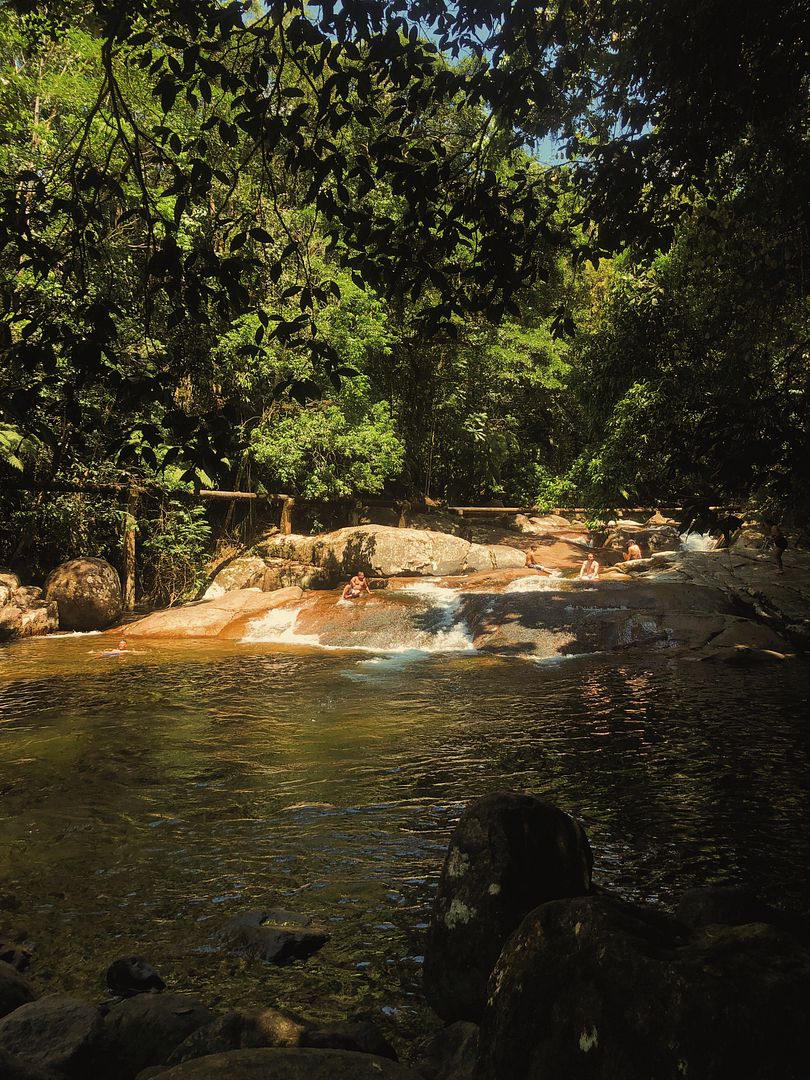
column 57, row 1033
column 145, row 1029
column 593, row 987
column 14, row 990
column 291, row 1065
column 509, row 853
column 14, row 1068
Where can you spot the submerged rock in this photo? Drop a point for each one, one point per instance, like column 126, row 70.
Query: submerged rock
column 509, row 853
column 280, row 937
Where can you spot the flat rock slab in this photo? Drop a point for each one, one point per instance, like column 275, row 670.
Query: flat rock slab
column 224, row 616
column 267, row 1064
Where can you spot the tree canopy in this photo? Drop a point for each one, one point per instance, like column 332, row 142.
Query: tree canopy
column 230, row 231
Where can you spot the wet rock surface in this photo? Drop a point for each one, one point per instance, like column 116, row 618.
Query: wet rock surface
column 23, row 611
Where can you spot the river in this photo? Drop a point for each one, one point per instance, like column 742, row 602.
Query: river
column 145, row 799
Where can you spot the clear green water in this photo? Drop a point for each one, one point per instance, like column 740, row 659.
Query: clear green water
column 145, row 799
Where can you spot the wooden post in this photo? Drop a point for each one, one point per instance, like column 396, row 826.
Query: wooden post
column 285, row 524
column 129, row 549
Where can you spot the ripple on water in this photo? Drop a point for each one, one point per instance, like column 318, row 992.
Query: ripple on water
column 142, row 805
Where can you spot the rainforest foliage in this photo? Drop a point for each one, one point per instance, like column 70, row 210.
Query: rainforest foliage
column 312, row 249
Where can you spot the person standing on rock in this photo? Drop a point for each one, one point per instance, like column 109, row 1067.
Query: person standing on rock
column 779, row 543
column 589, row 571
column 357, row 587
column 633, row 551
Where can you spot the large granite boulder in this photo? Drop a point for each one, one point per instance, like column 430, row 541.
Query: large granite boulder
column 58, row 1033
column 509, row 853
column 145, row 1029
column 383, row 551
column 87, row 593
column 14, row 990
column 23, row 612
column 267, row 574
column 594, row 987
column 280, row 1064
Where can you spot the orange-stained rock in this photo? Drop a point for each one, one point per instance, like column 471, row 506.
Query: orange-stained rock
column 212, row 618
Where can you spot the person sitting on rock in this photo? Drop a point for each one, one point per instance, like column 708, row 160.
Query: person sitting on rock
column 633, row 551
column 358, row 586
column 589, row 571
column 531, row 560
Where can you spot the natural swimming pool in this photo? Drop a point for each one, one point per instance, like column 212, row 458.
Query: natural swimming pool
column 143, row 800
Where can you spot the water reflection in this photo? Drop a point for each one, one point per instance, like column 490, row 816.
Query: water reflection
column 144, row 801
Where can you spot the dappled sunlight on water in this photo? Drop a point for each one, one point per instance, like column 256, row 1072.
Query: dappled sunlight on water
column 147, row 797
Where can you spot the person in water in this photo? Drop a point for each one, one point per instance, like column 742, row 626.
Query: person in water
column 122, row 649
column 778, row 542
column 589, row 571
column 358, row 586
column 633, row 551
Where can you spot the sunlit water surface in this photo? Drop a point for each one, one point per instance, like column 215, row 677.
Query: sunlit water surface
column 145, row 799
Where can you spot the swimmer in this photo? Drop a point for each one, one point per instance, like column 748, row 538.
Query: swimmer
column 633, row 551
column 122, row 648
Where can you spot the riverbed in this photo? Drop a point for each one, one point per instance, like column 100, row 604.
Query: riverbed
column 146, row 798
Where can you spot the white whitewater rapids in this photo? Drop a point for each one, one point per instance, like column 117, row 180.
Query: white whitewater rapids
column 422, row 617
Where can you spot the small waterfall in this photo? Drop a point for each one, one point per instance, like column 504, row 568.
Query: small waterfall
column 278, row 627
column 698, row 542
column 422, row 618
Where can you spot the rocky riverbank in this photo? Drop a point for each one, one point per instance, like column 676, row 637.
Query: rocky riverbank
column 533, row 972
column 437, row 591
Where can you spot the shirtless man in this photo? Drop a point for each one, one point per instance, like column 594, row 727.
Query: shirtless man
column 358, row 586
column 589, row 571
column 531, row 560
column 633, row 551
